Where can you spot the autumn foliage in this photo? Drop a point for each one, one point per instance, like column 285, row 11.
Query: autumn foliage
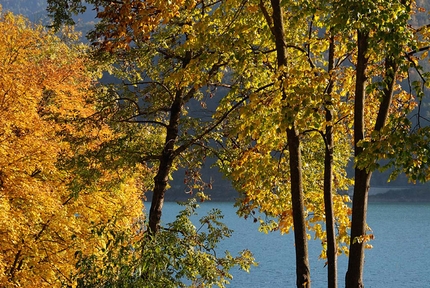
column 308, row 84
column 47, row 215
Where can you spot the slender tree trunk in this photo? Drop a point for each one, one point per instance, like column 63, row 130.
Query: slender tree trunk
column 166, row 161
column 168, row 153
column 300, row 238
column 328, row 181
column 301, row 245
column 354, row 275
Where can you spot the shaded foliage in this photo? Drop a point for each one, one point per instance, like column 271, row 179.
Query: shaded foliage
column 179, row 255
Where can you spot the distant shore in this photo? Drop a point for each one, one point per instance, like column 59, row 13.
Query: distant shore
column 419, row 194
column 377, row 194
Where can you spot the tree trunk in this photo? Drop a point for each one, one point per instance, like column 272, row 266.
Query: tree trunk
column 166, row 161
column 168, row 153
column 354, row 275
column 301, row 245
column 328, row 181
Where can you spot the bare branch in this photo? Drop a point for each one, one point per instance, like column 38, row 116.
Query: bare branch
column 220, row 85
column 152, row 82
column 303, row 51
column 416, row 68
column 184, row 146
column 267, row 16
column 422, row 28
column 426, row 48
column 130, row 120
column 129, row 100
column 149, row 158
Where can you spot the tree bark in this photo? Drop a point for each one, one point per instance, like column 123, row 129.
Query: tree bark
column 168, row 154
column 301, row 246
column 165, row 165
column 328, row 181
column 303, row 278
column 354, row 275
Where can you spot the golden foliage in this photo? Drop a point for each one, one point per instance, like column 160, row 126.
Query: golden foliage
column 132, row 20
column 45, row 88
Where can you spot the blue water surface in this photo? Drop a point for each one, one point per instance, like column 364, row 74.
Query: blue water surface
column 400, row 257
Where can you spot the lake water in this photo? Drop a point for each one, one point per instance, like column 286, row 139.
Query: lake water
column 400, row 256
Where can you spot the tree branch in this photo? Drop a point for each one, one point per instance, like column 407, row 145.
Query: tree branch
column 130, row 120
column 184, row 146
column 152, row 82
column 425, row 48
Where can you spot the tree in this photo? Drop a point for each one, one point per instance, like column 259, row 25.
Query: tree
column 171, row 63
column 178, row 254
column 71, row 202
column 257, row 158
column 295, row 160
column 375, row 34
column 165, row 71
column 46, row 95
column 328, row 177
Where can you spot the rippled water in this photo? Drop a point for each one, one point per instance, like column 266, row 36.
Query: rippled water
column 400, row 257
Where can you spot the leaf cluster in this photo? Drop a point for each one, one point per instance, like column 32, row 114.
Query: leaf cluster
column 180, row 255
